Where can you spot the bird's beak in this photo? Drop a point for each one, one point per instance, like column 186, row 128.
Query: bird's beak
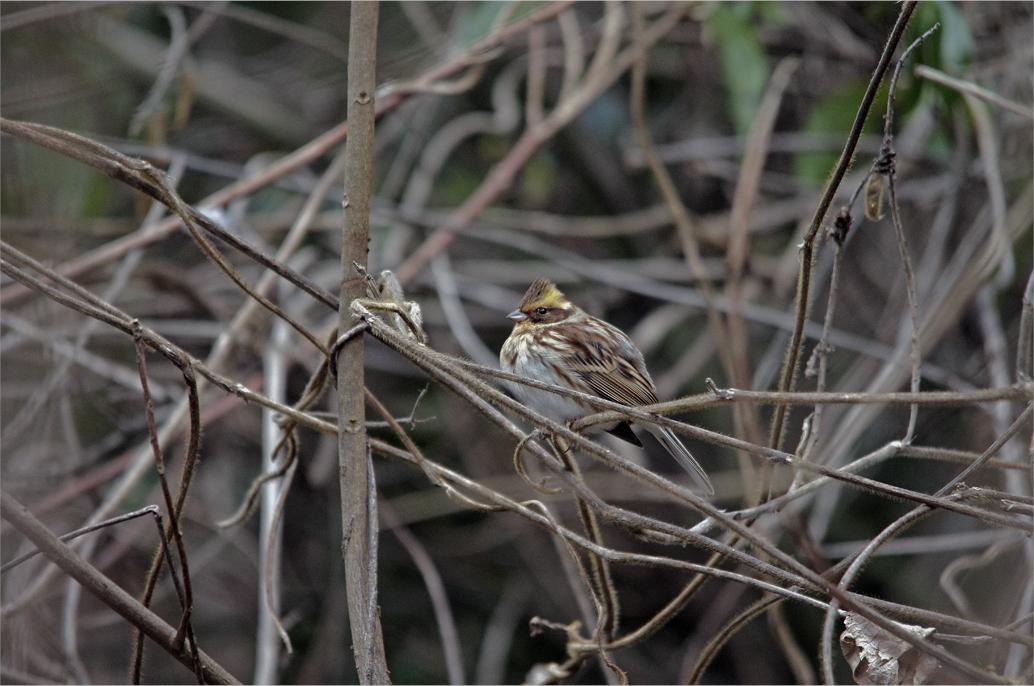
column 517, row 316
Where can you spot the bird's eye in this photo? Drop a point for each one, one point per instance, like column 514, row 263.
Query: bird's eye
column 542, row 311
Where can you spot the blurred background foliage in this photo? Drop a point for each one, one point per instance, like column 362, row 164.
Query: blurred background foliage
column 260, row 79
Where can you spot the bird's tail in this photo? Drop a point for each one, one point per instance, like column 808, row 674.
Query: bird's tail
column 674, row 446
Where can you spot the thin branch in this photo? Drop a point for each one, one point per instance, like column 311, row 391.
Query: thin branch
column 145, row 178
column 748, row 422
column 600, row 75
column 304, row 155
column 966, row 87
column 675, row 207
column 885, row 166
column 161, row 345
column 899, row 525
column 106, row 590
column 436, row 591
column 793, row 350
column 159, row 462
column 269, row 632
column 150, row 509
column 462, row 383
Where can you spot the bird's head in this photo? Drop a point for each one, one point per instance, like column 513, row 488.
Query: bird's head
column 543, row 304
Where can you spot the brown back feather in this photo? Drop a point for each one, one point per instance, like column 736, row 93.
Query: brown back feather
column 618, row 375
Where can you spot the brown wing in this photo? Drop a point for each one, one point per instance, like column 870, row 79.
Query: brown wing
column 610, row 364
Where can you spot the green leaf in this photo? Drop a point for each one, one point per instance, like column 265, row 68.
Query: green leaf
column 743, row 61
column 956, row 41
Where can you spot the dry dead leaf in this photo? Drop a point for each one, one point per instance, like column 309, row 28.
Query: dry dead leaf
column 877, row 657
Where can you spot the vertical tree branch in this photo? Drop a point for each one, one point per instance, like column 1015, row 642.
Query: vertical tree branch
column 358, row 513
column 809, row 245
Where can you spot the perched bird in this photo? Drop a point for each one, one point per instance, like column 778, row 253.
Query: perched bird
column 556, row 342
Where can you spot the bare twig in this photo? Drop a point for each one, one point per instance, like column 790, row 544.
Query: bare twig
column 748, row 422
column 461, row 383
column 106, row 590
column 173, row 513
column 299, row 158
column 899, row 525
column 603, row 71
column 793, row 350
column 150, row 509
column 436, row 590
column 885, row 166
column 966, row 87
column 675, row 207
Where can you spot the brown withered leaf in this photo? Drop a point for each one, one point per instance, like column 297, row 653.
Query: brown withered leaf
column 877, row 657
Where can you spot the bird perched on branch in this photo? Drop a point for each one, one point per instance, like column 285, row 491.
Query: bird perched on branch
column 556, row 342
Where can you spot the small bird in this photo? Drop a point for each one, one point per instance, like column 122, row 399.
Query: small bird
column 554, row 341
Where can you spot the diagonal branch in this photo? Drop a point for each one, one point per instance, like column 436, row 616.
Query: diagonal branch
column 106, row 590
